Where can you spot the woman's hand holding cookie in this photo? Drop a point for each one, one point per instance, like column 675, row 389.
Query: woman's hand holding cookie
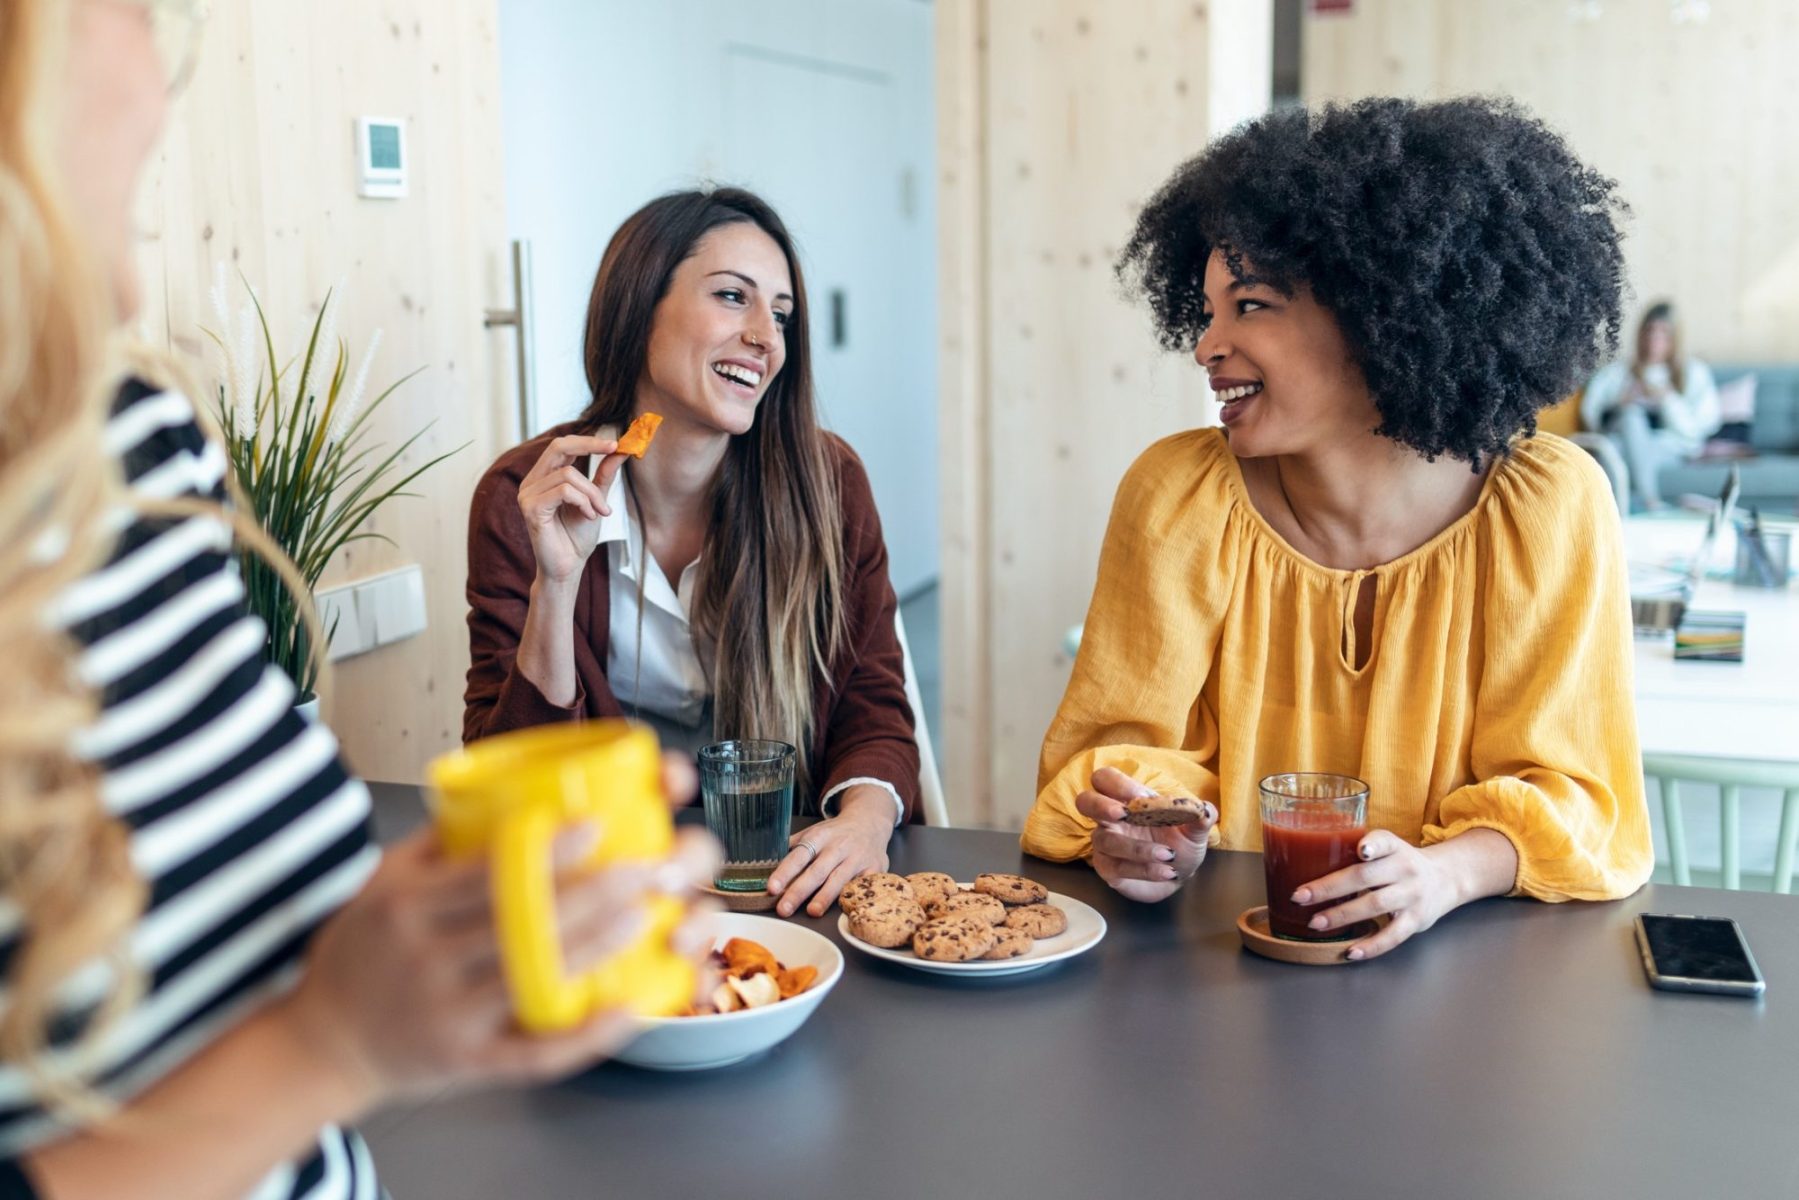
column 1141, row 862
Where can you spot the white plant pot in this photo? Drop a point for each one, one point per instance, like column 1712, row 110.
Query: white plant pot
column 309, row 709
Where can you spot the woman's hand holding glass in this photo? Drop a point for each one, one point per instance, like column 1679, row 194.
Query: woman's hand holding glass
column 1140, row 862
column 1414, row 887
column 829, row 854
column 404, row 992
column 562, row 507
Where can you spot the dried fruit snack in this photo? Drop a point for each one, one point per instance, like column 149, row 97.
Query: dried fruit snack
column 638, row 437
column 749, row 976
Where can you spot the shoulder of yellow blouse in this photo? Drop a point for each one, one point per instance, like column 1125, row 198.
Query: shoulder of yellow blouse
column 1177, row 470
column 1553, row 479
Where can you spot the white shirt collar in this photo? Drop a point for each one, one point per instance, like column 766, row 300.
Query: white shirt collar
column 620, row 526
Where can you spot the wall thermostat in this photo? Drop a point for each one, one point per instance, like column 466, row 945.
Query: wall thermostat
column 381, row 156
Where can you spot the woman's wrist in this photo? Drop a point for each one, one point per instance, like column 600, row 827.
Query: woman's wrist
column 868, row 804
column 329, row 1067
column 553, row 593
column 1479, row 862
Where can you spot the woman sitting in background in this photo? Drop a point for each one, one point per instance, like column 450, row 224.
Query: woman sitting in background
column 1659, row 407
column 209, row 968
column 739, row 587
column 1373, row 569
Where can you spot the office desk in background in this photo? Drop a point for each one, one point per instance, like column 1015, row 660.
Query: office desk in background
column 1746, row 710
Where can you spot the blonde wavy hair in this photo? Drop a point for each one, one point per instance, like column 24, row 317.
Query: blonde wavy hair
column 65, row 865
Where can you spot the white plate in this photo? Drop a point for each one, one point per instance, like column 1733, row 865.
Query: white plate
column 1085, row 928
column 701, row 1043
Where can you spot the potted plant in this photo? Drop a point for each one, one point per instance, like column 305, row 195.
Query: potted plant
column 296, row 432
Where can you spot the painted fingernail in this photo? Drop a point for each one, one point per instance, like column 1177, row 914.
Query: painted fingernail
column 1167, row 872
column 1367, row 853
column 1302, row 896
column 1164, row 853
column 1356, row 954
column 1318, row 922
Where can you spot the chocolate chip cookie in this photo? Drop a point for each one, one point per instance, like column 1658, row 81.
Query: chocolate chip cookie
column 1011, row 889
column 874, row 885
column 886, row 921
column 1009, row 943
column 931, row 885
column 953, row 939
column 1164, row 810
column 970, row 903
column 1038, row 920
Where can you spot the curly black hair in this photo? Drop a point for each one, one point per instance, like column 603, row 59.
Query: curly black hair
column 1471, row 260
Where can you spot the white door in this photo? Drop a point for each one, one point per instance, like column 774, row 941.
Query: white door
column 830, row 153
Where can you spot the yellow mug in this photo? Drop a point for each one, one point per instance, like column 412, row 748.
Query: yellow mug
column 508, row 796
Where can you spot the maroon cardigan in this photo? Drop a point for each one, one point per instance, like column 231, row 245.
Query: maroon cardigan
column 865, row 725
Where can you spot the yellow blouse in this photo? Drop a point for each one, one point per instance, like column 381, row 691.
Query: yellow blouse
column 1497, row 692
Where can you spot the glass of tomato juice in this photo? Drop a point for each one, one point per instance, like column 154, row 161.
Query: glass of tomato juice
column 1312, row 824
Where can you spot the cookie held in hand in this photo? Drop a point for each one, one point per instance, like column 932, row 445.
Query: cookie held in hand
column 1164, row 810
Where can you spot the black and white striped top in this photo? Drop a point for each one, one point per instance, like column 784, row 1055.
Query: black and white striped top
column 243, row 819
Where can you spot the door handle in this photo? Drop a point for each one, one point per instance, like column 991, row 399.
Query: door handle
column 522, row 317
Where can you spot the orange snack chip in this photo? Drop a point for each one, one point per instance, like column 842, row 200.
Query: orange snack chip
column 638, row 437
column 746, row 974
column 744, row 957
column 794, row 980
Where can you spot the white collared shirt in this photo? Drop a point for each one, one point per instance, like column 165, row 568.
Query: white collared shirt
column 662, row 680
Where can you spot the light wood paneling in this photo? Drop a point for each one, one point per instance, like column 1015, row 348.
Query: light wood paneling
column 1696, row 122
column 1058, row 119
column 258, row 171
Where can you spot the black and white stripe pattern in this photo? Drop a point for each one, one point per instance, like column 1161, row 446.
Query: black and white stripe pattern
column 244, row 822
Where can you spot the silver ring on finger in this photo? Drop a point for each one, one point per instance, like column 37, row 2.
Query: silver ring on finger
column 811, row 847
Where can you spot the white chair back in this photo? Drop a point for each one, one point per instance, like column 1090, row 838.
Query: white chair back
column 930, row 785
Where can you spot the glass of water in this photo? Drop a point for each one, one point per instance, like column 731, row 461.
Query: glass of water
column 747, row 787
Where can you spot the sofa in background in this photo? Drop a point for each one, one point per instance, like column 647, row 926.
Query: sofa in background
column 1771, row 475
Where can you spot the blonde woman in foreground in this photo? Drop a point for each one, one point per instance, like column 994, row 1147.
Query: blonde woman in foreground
column 208, row 968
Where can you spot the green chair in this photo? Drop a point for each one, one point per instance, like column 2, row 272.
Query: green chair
column 1730, row 776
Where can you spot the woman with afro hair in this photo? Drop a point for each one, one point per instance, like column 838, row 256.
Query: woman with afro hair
column 1377, row 567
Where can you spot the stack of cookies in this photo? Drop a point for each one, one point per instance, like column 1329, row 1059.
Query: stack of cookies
column 1001, row 917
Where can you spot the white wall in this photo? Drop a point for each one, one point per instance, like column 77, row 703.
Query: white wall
column 824, row 106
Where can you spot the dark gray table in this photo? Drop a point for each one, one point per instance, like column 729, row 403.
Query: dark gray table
column 1513, row 1051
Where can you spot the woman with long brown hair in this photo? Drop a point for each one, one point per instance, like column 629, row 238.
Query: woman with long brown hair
column 1659, row 405
column 730, row 584
column 208, row 967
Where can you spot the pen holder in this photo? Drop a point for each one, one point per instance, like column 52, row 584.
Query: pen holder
column 1764, row 559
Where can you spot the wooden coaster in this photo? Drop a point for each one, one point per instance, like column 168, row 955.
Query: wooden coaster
column 1252, row 927
column 741, row 901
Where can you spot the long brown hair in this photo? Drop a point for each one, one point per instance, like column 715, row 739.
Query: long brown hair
column 1663, row 311
column 769, row 600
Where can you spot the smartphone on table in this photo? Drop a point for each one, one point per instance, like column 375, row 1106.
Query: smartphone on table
column 1683, row 953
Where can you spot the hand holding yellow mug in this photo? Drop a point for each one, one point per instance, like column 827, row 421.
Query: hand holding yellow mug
column 508, row 797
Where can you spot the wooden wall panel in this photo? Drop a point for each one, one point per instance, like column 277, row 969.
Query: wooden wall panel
column 258, row 171
column 1069, row 113
column 1696, row 122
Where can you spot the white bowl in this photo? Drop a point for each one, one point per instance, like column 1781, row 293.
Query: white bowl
column 700, row 1043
